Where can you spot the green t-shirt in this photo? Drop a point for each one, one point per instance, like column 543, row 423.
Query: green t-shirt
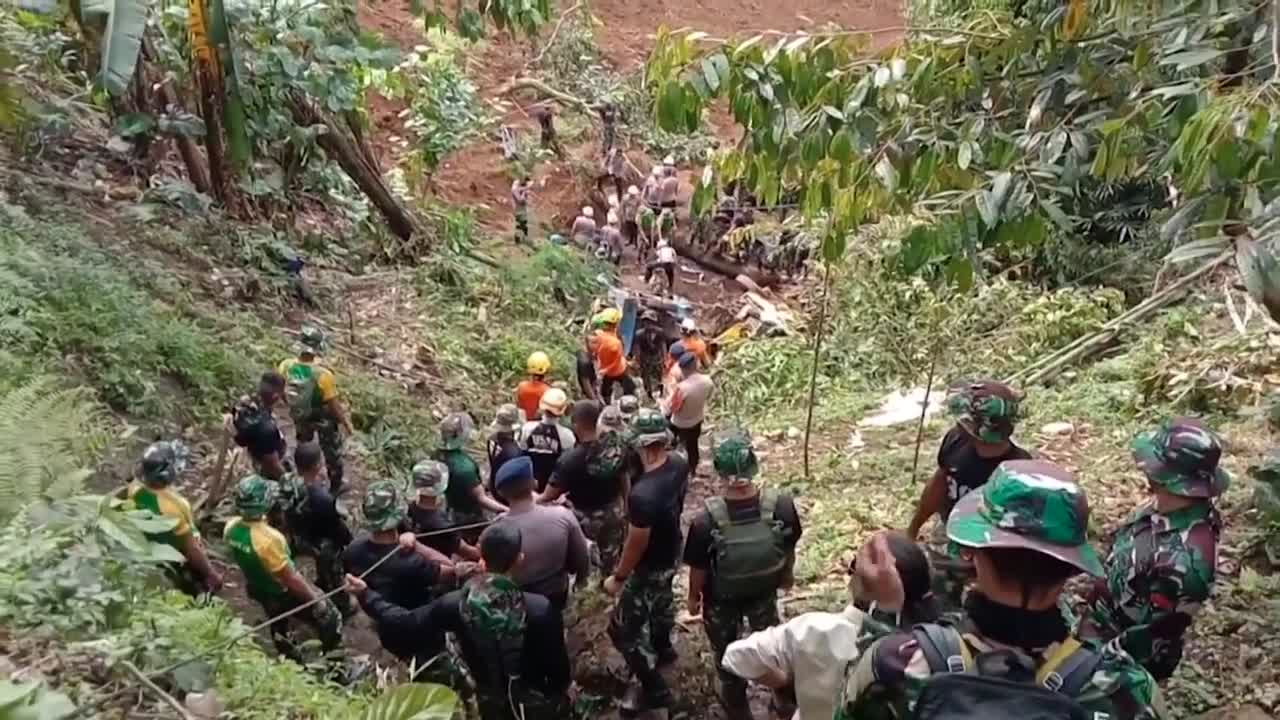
column 464, row 474
column 261, row 552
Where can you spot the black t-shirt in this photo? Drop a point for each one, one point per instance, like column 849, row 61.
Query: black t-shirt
column 259, row 434
column 586, row 491
column 506, row 448
column 966, row 469
column 319, row 519
column 405, row 579
column 422, row 520
column 656, row 501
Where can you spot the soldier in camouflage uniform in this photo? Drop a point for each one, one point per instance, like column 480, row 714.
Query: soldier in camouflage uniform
column 644, row 615
column 271, row 579
column 313, row 525
column 741, row 551
column 1162, row 563
column 317, row 411
column 1026, row 529
column 986, row 413
column 512, row 641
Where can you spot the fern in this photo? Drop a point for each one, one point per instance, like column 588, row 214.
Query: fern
column 46, row 437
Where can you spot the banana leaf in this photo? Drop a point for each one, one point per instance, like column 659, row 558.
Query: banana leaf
column 1260, row 270
column 122, row 24
column 413, row 701
column 234, row 117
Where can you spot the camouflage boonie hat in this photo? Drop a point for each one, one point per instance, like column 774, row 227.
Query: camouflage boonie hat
column 1182, row 457
column 734, row 456
column 161, row 463
column 1029, row 504
column 382, row 507
column 988, row 410
column 494, row 605
column 455, row 431
column 506, row 420
column 255, row 496
column 628, row 405
column 649, row 428
column 311, row 339
column 431, row 477
column 611, row 418
column 292, row 493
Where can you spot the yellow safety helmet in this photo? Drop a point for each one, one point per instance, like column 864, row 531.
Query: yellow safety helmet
column 538, row 364
column 610, row 316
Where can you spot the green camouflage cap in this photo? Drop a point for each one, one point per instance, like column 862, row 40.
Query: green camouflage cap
column 255, row 496
column 292, row 493
column 988, row 410
column 382, row 507
column 455, row 431
column 734, row 456
column 161, row 463
column 649, row 428
column 628, row 405
column 506, row 420
column 1029, row 504
column 493, row 605
column 1182, row 457
column 611, row 418
column 311, row 339
column 431, row 477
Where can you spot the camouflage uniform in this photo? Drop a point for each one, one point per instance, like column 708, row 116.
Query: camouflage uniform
column 1162, row 565
column 325, row 551
column 1026, row 504
column 493, row 613
column 643, row 619
column 323, row 617
column 607, row 528
column 723, row 622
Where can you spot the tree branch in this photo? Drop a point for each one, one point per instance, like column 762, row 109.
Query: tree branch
column 525, row 83
column 166, row 697
column 554, row 32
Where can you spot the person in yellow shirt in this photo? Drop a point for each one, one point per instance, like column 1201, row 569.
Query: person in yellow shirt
column 317, row 410
column 271, row 579
column 160, row 464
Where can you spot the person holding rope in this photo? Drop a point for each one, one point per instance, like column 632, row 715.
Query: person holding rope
column 465, row 495
column 430, row 519
column 263, row 555
column 553, row 547
column 512, row 641
column 161, row 463
column 313, row 524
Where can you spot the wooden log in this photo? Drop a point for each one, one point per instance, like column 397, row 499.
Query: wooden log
column 722, row 266
column 344, row 151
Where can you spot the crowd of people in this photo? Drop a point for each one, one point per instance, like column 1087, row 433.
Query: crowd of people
column 467, row 575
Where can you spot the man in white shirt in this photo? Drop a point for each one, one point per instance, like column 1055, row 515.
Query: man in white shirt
column 666, row 262
column 688, row 407
column 584, row 227
column 545, row 440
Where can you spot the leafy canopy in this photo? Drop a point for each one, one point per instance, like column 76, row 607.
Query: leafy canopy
column 994, row 130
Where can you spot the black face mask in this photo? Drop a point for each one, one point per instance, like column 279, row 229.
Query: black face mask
column 1030, row 630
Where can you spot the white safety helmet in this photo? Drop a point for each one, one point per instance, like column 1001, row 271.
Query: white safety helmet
column 657, row 171
column 613, row 218
column 688, row 325
column 633, row 190
column 662, row 244
column 588, row 212
column 613, row 200
column 669, row 160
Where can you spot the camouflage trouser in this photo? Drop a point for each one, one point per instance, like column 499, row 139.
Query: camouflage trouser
column 651, row 375
column 521, row 704
column 329, row 573
column 522, row 225
column 1156, row 646
column 951, row 573
column 607, row 529
column 642, row 620
column 723, row 621
column 323, row 617
column 330, row 438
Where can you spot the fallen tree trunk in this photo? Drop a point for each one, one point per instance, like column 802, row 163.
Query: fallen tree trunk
column 722, row 266
column 547, row 91
column 197, row 171
column 343, row 149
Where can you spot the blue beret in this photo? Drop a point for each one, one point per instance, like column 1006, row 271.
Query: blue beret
column 688, row 360
column 513, row 470
column 677, row 349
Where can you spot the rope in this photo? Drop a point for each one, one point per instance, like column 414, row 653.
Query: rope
column 226, row 645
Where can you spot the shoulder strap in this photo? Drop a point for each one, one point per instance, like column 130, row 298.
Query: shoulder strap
column 1069, row 669
column 719, row 511
column 943, row 648
column 768, row 505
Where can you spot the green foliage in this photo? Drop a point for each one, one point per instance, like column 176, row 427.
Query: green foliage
column 46, row 437
column 33, row 701
column 444, row 108
column 998, row 131
column 524, row 16
column 71, row 305
column 121, row 24
column 413, row 701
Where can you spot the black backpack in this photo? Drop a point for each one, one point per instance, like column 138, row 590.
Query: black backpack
column 1001, row 684
column 251, row 423
column 544, row 449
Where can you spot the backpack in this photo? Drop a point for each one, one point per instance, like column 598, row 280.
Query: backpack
column 607, row 457
column 544, row 448
column 250, row 422
column 1001, row 684
column 749, row 556
column 306, row 405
